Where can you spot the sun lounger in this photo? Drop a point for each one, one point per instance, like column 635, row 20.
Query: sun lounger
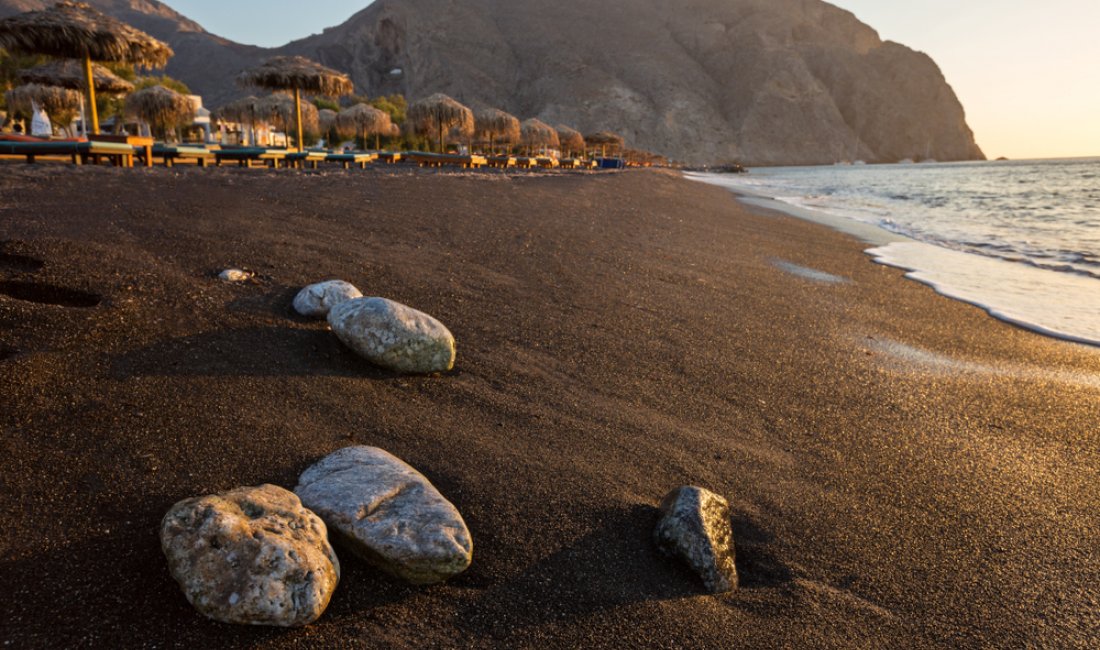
column 439, row 159
column 200, row 155
column 572, row 163
column 525, row 162
column 302, row 159
column 390, row 157
column 346, row 160
column 546, row 162
column 140, row 143
column 246, row 156
column 501, row 161
column 119, row 154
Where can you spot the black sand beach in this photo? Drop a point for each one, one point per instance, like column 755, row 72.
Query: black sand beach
column 903, row 470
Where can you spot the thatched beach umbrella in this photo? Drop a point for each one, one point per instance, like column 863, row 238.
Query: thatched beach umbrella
column 603, row 140
column 241, row 111
column 438, row 113
column 569, row 139
column 160, row 107
column 494, row 124
column 281, row 110
column 70, row 74
column 536, row 133
column 74, row 30
column 59, row 103
column 366, row 120
column 298, row 74
column 326, row 119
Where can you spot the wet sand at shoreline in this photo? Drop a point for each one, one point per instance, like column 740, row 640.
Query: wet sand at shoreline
column 904, row 471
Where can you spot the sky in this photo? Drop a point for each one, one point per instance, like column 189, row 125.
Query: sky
column 1027, row 72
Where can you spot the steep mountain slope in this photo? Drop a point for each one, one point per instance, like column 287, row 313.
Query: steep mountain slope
column 761, row 81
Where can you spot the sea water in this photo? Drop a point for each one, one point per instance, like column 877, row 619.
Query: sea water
column 1020, row 239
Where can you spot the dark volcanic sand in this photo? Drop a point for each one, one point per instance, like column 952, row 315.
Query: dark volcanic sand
column 904, row 471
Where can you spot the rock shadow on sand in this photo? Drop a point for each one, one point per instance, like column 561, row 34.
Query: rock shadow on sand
column 614, row 566
column 248, row 352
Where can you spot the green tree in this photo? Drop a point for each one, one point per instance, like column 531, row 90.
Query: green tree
column 10, row 65
column 325, row 102
column 164, row 80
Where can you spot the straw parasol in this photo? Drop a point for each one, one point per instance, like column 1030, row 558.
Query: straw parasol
column 495, row 124
column 160, row 106
column 74, row 30
column 326, row 119
column 281, row 110
column 240, row 111
column 59, row 103
column 569, row 139
column 366, row 120
column 438, row 113
column 70, row 74
column 298, row 74
column 536, row 133
column 603, row 140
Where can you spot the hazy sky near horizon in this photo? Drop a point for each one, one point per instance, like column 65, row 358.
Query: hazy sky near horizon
column 1027, row 73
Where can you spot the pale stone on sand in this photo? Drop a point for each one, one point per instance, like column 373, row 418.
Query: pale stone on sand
column 695, row 527
column 253, row 555
column 394, row 336
column 388, row 513
column 316, row 300
column 235, row 275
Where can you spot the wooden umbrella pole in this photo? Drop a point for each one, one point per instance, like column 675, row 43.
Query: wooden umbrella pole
column 298, row 114
column 91, row 94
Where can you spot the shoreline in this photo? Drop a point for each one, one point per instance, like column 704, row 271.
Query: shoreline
column 902, row 470
column 925, row 263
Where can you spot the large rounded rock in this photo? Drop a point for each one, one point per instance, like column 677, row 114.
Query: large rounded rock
column 393, row 336
column 253, row 555
column 316, row 300
column 695, row 527
column 387, row 513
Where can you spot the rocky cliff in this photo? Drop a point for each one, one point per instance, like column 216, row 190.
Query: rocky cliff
column 760, row 81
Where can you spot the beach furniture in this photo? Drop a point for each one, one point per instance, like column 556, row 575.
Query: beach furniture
column 526, row 162
column 610, row 163
column 439, row 159
column 546, row 162
column 135, row 141
column 120, row 155
column 346, row 160
column 246, row 156
column 390, row 157
column 201, row 156
column 302, row 159
column 501, row 161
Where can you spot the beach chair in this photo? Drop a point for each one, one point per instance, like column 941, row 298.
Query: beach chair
column 346, row 160
column 546, row 162
column 246, row 156
column 119, row 154
column 501, row 162
column 425, row 159
column 390, row 157
column 303, row 159
column 201, row 156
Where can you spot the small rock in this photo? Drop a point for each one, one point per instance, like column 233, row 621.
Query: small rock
column 235, row 275
column 695, row 527
column 393, row 336
column 316, row 300
column 253, row 555
column 388, row 513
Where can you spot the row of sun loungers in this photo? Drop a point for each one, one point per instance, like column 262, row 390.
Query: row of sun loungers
column 124, row 153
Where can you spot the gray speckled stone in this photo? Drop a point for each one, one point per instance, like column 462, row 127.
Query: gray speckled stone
column 393, row 335
column 695, row 527
column 316, row 300
column 388, row 513
column 253, row 555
